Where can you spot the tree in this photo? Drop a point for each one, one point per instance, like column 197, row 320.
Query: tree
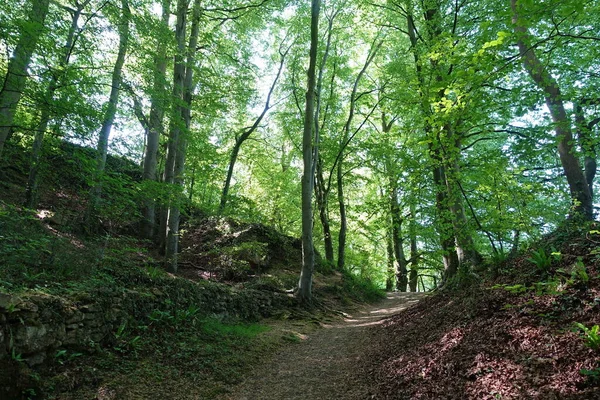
column 16, row 74
column 308, row 251
column 155, row 121
column 239, row 140
column 578, row 186
column 109, row 114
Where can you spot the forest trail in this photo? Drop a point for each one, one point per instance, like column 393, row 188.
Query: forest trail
column 322, row 365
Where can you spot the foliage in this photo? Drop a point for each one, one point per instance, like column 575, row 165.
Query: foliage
column 591, row 335
column 542, row 260
column 361, row 289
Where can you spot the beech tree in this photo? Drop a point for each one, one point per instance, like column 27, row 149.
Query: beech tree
column 308, row 252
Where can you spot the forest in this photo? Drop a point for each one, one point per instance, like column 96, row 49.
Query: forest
column 322, row 149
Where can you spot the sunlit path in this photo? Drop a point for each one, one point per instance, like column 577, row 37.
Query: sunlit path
column 322, row 365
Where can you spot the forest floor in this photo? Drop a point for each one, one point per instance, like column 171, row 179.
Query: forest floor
column 322, row 364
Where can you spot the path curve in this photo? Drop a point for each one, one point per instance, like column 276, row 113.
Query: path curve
column 322, row 366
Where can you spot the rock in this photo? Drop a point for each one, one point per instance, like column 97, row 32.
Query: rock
column 36, row 359
column 7, row 301
column 91, row 308
column 75, row 318
column 30, row 339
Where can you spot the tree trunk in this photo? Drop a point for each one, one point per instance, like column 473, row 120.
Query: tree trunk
column 398, row 241
column 414, row 253
column 321, row 189
column 308, row 251
column 322, row 195
column 172, row 245
column 16, row 74
column 578, row 187
column 109, row 115
column 465, row 247
column 155, row 124
column 391, row 267
column 444, row 220
column 341, row 261
column 176, row 120
column 586, row 141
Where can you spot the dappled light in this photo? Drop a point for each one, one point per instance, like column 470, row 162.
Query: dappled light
column 291, row 200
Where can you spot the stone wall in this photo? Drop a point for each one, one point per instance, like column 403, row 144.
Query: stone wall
column 33, row 326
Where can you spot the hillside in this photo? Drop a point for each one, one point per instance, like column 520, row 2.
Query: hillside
column 87, row 314
column 531, row 333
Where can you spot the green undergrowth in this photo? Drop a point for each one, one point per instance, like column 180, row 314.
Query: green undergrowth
column 196, row 358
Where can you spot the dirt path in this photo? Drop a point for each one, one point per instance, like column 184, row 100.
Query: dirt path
column 321, row 366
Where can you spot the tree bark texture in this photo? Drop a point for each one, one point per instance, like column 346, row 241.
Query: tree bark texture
column 176, row 122
column 308, row 251
column 398, row 240
column 155, row 123
column 172, row 245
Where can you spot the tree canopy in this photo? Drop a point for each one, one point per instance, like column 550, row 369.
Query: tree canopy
column 407, row 141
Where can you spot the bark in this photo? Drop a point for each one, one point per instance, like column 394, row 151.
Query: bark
column 155, row 124
column 322, row 195
column 414, row 253
column 341, row 261
column 444, row 219
column 308, row 251
column 248, row 132
column 109, row 115
column 586, row 141
column 578, row 186
column 391, row 268
column 321, row 189
column 397, row 238
column 16, row 74
column 172, row 244
column 465, row 247
column 176, row 120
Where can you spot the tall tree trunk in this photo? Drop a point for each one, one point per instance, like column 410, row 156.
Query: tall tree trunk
column 322, row 195
column 176, row 122
column 396, row 213
column 38, row 141
column 16, row 74
column 414, row 253
column 155, row 123
column 109, row 115
column 444, row 219
column 172, row 244
column 465, row 247
column 391, row 267
column 308, row 250
column 341, row 261
column 321, row 188
column 586, row 141
column 578, row 186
